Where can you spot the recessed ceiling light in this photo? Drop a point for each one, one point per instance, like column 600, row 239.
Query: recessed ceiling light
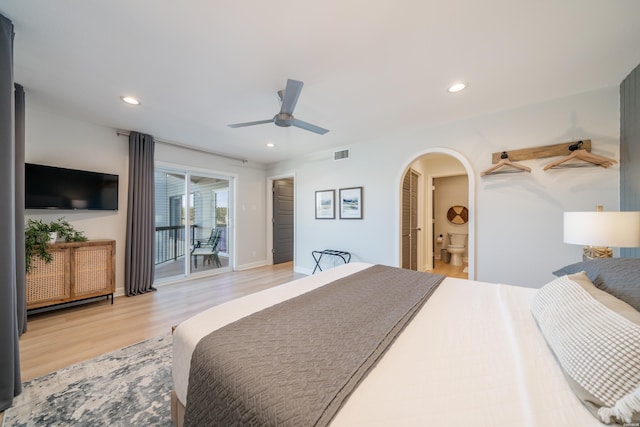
column 457, row 87
column 271, row 145
column 130, row 100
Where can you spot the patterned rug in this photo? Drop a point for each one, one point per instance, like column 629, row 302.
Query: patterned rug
column 128, row 387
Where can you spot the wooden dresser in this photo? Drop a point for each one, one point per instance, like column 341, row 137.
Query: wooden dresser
column 79, row 270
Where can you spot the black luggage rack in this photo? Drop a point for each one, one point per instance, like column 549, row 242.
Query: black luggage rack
column 317, row 256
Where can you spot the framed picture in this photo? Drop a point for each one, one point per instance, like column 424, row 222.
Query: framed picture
column 351, row 203
column 325, row 204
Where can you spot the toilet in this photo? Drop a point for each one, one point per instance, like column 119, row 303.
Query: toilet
column 456, row 247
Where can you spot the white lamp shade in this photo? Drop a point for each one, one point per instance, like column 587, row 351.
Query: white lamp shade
column 611, row 229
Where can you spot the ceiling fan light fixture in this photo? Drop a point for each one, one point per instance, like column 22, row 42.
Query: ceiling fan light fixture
column 284, row 118
column 457, row 87
column 130, row 100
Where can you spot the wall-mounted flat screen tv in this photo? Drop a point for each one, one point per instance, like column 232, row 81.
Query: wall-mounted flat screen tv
column 48, row 187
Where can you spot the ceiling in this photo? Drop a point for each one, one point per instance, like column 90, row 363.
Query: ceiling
column 370, row 67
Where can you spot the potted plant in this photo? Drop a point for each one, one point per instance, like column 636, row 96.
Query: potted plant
column 38, row 234
column 65, row 231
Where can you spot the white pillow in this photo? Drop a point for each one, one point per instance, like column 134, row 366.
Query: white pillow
column 597, row 348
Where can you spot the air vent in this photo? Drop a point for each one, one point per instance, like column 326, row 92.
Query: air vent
column 342, row 154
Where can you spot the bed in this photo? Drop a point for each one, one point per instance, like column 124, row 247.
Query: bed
column 473, row 354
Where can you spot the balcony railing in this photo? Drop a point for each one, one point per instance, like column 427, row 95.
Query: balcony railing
column 170, row 241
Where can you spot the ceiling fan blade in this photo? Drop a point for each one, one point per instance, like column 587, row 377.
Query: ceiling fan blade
column 308, row 126
column 259, row 122
column 291, row 94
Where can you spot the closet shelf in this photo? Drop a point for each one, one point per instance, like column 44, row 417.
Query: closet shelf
column 554, row 150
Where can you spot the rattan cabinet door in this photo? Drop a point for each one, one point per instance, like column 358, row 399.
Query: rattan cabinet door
column 92, row 271
column 49, row 283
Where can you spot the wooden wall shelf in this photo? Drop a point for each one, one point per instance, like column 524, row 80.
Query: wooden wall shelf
column 554, row 150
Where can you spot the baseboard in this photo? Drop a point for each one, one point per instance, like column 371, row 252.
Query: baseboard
column 303, row 270
column 426, row 268
column 252, row 265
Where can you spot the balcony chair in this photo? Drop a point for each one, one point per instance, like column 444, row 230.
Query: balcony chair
column 208, row 249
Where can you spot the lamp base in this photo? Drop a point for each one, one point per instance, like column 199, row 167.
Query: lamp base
column 595, row 252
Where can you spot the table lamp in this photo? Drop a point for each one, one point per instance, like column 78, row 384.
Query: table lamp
column 600, row 231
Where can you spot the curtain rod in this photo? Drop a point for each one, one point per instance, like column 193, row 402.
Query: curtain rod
column 188, row 147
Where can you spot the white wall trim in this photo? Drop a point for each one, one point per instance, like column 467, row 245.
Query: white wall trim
column 303, row 270
column 251, row 265
column 472, row 197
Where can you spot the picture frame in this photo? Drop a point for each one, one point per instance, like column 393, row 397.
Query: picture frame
column 325, row 204
column 351, row 203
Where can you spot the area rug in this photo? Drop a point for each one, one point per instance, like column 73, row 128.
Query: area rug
column 128, row 387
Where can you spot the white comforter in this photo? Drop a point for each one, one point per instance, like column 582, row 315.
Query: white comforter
column 473, row 356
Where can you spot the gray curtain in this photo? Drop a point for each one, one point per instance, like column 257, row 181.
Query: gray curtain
column 139, row 256
column 19, row 207
column 630, row 149
column 10, row 384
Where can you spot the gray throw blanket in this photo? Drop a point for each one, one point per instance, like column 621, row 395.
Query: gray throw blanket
column 296, row 363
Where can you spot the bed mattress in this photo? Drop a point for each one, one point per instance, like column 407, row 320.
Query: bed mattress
column 472, row 356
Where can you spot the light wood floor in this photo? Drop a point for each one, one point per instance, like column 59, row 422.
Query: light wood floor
column 449, row 270
column 61, row 338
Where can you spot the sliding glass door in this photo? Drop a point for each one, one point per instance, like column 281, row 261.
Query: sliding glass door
column 192, row 223
column 210, row 219
column 170, row 236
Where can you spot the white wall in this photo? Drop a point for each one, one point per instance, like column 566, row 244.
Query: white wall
column 55, row 140
column 518, row 217
column 58, row 140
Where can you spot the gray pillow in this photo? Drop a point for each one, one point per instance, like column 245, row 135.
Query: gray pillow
column 618, row 276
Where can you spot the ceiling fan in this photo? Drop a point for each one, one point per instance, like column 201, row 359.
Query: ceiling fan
column 289, row 97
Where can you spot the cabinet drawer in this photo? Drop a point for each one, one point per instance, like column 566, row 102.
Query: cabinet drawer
column 49, row 283
column 92, row 270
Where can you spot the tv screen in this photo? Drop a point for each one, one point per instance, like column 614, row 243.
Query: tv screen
column 48, row 187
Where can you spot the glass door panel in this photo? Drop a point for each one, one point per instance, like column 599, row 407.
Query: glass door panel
column 209, row 207
column 221, row 208
column 170, row 212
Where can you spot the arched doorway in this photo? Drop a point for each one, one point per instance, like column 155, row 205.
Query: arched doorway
column 417, row 216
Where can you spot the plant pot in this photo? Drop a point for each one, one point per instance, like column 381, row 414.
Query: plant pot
column 53, row 237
